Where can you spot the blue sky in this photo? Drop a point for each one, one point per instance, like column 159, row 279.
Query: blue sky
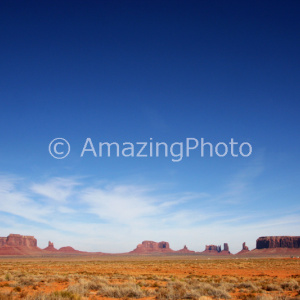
column 128, row 71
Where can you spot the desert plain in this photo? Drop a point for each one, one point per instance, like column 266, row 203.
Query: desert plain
column 149, row 277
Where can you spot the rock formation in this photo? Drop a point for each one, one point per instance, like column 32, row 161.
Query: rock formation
column 150, row 246
column 213, row 248
column 216, row 250
column 244, row 250
column 185, row 250
column 16, row 244
column 2, row 241
column 50, row 247
column 278, row 242
column 226, row 247
column 225, row 251
column 17, row 240
column 69, row 249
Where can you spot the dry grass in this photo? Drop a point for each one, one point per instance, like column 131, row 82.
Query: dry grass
column 290, row 285
column 61, row 295
column 125, row 290
column 150, row 278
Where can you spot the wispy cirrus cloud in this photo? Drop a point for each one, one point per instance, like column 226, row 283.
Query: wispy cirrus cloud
column 17, row 201
column 55, row 189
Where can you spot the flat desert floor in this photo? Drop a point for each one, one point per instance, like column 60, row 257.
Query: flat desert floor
column 149, row 277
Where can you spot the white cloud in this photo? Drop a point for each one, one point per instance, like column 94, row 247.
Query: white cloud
column 125, row 204
column 57, row 189
column 18, row 202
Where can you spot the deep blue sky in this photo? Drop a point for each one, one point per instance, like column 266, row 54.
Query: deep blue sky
column 120, row 71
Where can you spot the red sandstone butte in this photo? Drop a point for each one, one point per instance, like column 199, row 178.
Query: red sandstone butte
column 267, row 242
column 21, row 240
column 216, row 250
column 50, row 248
column 185, row 250
column 69, row 249
column 244, row 250
column 225, row 251
column 212, row 249
column 152, row 247
column 276, row 246
column 16, row 244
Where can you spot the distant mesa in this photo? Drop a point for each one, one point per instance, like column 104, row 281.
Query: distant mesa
column 16, row 244
column 212, row 248
column 267, row 242
column 148, row 247
column 152, row 247
column 216, row 250
column 17, row 240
